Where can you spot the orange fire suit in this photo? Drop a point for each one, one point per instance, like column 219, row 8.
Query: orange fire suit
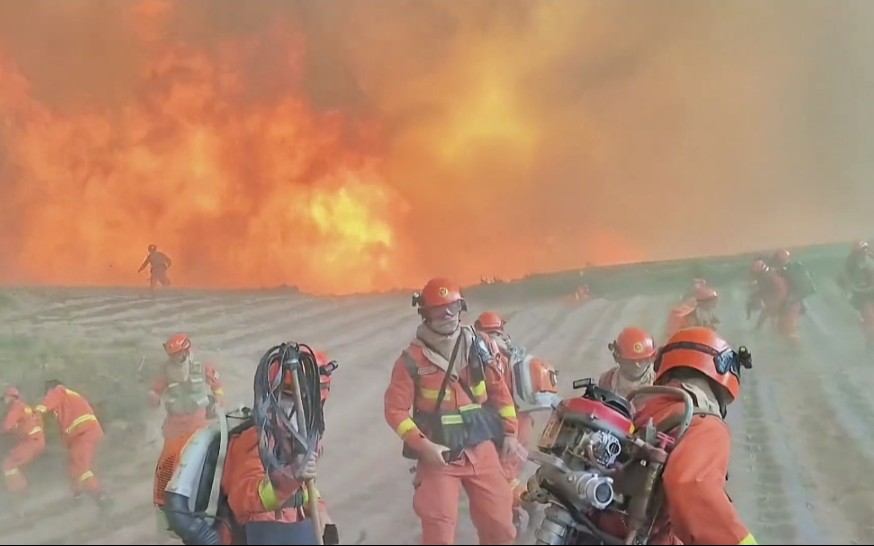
column 775, row 295
column 81, row 434
column 254, row 499
column 684, row 316
column 478, row 470
column 525, row 423
column 698, row 511
column 184, row 415
column 158, row 263
column 26, row 425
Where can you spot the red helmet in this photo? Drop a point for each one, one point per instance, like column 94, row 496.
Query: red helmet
column 177, row 344
column 11, row 392
column 759, row 266
column 439, row 292
column 703, row 293
column 633, row 344
column 701, row 349
column 489, row 321
column 782, row 256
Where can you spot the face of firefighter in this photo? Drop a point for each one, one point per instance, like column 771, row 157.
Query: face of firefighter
column 634, row 369
column 178, row 369
column 444, row 319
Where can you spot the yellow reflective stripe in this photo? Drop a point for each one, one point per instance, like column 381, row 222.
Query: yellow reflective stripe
column 79, row 420
column 431, row 394
column 406, row 426
column 11, row 472
column 748, row 540
column 469, row 407
column 40, row 408
column 27, row 410
column 452, row 419
column 508, row 412
column 268, row 495
column 479, row 389
column 34, row 430
column 514, row 483
column 87, row 475
column 631, row 429
column 219, row 392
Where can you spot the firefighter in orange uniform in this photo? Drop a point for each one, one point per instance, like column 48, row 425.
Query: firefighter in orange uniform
column 26, row 425
column 633, row 351
column 457, row 420
column 81, row 434
column 534, row 385
column 701, row 363
column 701, row 312
column 258, row 501
column 158, row 263
column 188, row 388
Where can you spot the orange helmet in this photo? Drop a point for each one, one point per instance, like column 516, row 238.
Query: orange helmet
column 326, row 368
column 633, row 344
column 153, row 248
column 439, row 292
column 489, row 321
column 702, row 350
column 11, row 392
column 782, row 256
column 177, row 344
column 703, row 293
column 759, row 266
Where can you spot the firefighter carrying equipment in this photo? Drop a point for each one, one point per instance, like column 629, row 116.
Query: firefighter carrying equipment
column 188, row 494
column 189, row 396
column 471, row 424
column 800, row 281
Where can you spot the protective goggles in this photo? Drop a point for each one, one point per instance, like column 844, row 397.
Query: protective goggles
column 440, row 311
column 727, row 361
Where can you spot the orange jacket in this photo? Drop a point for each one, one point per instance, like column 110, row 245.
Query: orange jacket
column 22, row 421
column 73, row 412
column 400, row 394
column 251, row 495
column 698, row 509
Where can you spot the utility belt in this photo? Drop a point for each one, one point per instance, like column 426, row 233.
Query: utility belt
column 467, row 427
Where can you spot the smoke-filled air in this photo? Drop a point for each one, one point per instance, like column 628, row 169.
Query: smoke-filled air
column 356, row 146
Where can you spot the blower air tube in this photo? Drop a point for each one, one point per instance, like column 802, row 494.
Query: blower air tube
column 274, row 426
column 190, row 527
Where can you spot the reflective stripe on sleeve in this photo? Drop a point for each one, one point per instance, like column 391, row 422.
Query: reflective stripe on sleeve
column 748, row 540
column 507, row 412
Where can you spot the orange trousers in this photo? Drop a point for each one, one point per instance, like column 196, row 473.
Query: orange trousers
column 23, row 453
column 81, row 450
column 438, row 491
column 513, row 468
column 787, row 322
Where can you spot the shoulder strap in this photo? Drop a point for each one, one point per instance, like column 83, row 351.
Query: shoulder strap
column 671, row 422
column 413, row 370
column 449, row 369
column 224, row 439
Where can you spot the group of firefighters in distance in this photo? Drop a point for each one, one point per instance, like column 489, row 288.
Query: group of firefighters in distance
column 461, row 398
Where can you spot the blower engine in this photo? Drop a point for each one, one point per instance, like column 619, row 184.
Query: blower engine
column 598, row 476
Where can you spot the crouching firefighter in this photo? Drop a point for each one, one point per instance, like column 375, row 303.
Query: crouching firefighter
column 462, row 416
column 253, row 483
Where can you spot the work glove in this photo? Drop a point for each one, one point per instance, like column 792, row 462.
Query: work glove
column 510, row 449
column 288, row 479
column 432, row 453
